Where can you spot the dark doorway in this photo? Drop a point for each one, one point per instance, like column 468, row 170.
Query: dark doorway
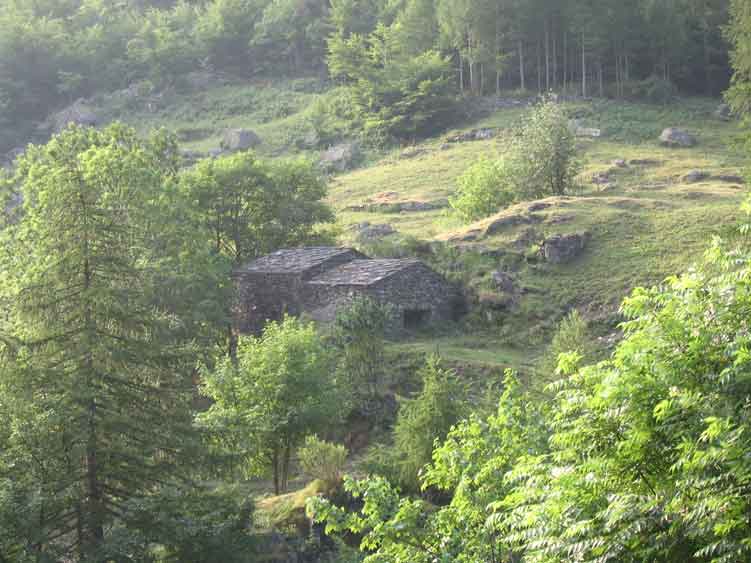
column 414, row 318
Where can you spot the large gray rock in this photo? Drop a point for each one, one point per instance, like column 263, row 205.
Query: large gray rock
column 724, row 112
column 561, row 249
column 503, row 281
column 239, row 140
column 503, row 223
column 675, row 137
column 340, row 157
column 367, row 232
column 78, row 113
column 694, row 176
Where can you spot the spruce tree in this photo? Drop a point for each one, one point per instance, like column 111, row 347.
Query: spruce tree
column 96, row 384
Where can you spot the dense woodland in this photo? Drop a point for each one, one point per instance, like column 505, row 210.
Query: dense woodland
column 53, row 52
column 137, row 426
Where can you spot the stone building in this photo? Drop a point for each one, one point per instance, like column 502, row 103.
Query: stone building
column 318, row 281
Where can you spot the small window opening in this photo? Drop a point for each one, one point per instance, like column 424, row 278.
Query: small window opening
column 414, row 318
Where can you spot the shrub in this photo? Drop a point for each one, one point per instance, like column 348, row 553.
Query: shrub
column 654, row 89
column 572, row 335
column 484, row 188
column 541, row 161
column 323, row 460
column 426, row 420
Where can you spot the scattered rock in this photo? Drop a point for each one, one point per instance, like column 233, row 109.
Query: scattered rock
column 78, row 113
column 469, row 236
column 675, row 137
column 340, row 157
column 559, row 219
column 695, row 176
column 730, row 178
column 601, row 178
column 723, row 112
column 399, row 206
column 538, row 206
column 239, row 140
column 576, row 128
column 561, row 249
column 473, row 135
column 503, row 281
column 643, row 162
column 412, row 152
column 368, row 232
column 527, row 238
column 619, row 163
column 502, row 223
column 445, row 146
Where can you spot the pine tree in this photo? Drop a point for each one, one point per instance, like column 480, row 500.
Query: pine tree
column 97, row 385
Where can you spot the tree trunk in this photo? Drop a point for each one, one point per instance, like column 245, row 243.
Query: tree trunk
column 539, row 67
column 521, row 65
column 599, row 73
column 461, row 72
column 565, row 59
column 584, row 69
column 276, row 469
column 547, row 55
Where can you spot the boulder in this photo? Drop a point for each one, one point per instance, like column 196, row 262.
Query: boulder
column 215, row 153
column 527, row 238
column 412, row 152
column 723, row 112
column 503, row 281
column 561, row 249
column 694, row 176
column 601, row 178
column 369, row 232
column 473, row 135
column 619, row 163
column 730, row 178
column 239, row 140
column 78, row 113
column 643, row 162
column 340, row 157
column 675, row 137
column 468, row 236
column 502, row 223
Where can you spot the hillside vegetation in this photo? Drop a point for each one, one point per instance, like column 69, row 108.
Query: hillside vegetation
column 575, row 169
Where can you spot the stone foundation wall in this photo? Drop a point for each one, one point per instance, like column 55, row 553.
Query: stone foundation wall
column 260, row 298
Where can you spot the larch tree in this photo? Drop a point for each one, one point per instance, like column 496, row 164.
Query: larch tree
column 94, row 384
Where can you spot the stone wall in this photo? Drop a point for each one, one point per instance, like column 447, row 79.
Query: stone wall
column 416, row 288
column 262, row 297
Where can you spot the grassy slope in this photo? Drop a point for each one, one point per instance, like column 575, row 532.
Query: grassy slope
column 650, row 225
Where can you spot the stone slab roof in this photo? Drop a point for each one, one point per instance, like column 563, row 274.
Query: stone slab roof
column 294, row 260
column 363, row 272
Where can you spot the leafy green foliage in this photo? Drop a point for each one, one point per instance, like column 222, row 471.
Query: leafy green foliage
column 359, row 334
column 540, row 162
column 573, row 335
column 483, row 189
column 639, row 458
column 249, row 207
column 323, row 460
column 396, row 95
column 95, row 384
column 280, row 389
column 426, row 420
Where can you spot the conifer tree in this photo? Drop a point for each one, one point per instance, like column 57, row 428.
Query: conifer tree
column 95, row 383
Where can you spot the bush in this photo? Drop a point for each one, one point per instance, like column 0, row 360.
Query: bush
column 323, row 460
column 484, row 188
column 427, row 419
column 572, row 335
column 654, row 89
column 540, row 162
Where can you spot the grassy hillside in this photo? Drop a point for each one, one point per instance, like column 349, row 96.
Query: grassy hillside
column 646, row 223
